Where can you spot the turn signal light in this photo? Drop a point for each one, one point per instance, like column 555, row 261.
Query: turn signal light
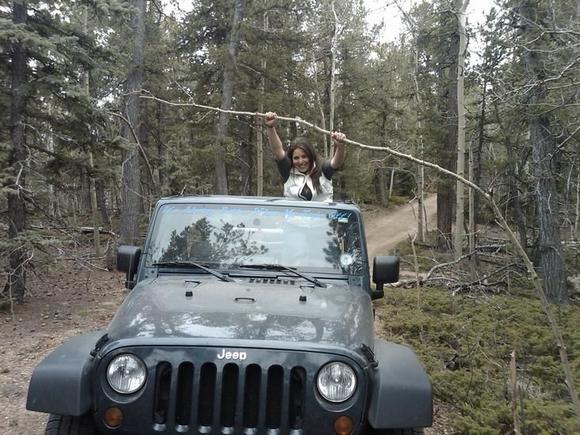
column 343, row 425
column 113, row 417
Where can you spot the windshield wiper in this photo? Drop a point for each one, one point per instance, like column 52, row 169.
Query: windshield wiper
column 280, row 267
column 189, row 264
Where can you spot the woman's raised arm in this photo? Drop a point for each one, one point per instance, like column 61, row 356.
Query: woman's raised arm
column 339, row 149
column 273, row 138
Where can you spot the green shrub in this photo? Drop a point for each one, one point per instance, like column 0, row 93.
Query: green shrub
column 465, row 342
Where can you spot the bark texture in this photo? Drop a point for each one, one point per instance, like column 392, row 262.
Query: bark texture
column 544, row 158
column 460, row 7
column 445, row 187
column 477, row 153
column 131, row 203
column 227, row 94
column 16, row 160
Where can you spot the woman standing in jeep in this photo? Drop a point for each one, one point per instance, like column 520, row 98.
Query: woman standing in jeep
column 305, row 175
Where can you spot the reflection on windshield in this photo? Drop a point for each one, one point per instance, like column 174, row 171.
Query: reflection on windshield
column 310, row 239
column 203, row 242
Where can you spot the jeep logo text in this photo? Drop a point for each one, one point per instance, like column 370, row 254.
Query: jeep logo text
column 241, row 356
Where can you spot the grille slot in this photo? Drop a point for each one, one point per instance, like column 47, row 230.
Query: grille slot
column 231, row 398
column 274, row 397
column 229, row 395
column 184, row 394
column 297, row 398
column 252, row 396
column 206, row 395
column 162, row 393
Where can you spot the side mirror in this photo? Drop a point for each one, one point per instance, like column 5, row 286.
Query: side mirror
column 385, row 270
column 128, row 261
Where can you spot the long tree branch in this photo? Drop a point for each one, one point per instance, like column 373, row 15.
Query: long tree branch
column 327, row 132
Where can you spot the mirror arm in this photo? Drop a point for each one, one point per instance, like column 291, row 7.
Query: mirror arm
column 378, row 293
column 130, row 281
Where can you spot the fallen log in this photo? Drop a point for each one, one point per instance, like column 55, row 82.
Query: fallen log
column 87, row 230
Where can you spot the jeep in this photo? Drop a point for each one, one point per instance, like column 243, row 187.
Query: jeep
column 246, row 316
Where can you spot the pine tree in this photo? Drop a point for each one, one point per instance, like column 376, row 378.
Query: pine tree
column 17, row 157
column 533, row 17
column 132, row 130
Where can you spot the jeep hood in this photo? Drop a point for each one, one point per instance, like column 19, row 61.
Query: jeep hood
column 169, row 306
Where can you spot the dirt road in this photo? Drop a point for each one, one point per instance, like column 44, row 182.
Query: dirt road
column 67, row 297
column 385, row 230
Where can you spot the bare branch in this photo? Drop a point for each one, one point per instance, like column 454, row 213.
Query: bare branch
column 320, row 130
column 439, row 266
column 570, row 136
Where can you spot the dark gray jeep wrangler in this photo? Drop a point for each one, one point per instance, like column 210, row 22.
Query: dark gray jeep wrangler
column 247, row 316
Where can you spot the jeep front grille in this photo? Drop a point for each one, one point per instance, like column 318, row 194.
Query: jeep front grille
column 199, row 390
column 215, row 400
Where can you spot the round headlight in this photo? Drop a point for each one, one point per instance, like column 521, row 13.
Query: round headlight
column 336, row 382
column 126, row 373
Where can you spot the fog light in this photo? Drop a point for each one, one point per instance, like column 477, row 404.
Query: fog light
column 343, row 425
column 113, row 417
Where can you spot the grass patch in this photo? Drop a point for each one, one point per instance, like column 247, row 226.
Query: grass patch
column 465, row 342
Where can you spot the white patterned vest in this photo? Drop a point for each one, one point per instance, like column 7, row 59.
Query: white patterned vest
column 295, row 184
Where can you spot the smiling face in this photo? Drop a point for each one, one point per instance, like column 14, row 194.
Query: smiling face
column 300, row 160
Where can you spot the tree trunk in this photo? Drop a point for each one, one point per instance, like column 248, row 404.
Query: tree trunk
column 551, row 258
column 131, row 202
column 478, row 152
column 332, row 92
column 16, row 160
column 445, row 187
column 102, row 203
column 53, row 208
column 380, row 182
column 160, row 177
column 319, row 103
column 392, row 178
column 91, row 170
column 421, row 212
column 245, row 156
column 515, row 201
column 260, row 153
column 460, row 7
column 94, row 208
column 551, row 261
column 444, row 214
column 471, row 212
column 379, row 172
column 227, row 94
column 147, row 176
column 260, row 124
column 85, row 190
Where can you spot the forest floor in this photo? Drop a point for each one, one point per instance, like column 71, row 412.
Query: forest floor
column 68, row 296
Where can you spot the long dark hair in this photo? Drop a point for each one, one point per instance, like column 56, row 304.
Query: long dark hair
column 314, row 170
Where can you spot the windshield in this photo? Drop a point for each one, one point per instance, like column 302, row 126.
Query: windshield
column 227, row 236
